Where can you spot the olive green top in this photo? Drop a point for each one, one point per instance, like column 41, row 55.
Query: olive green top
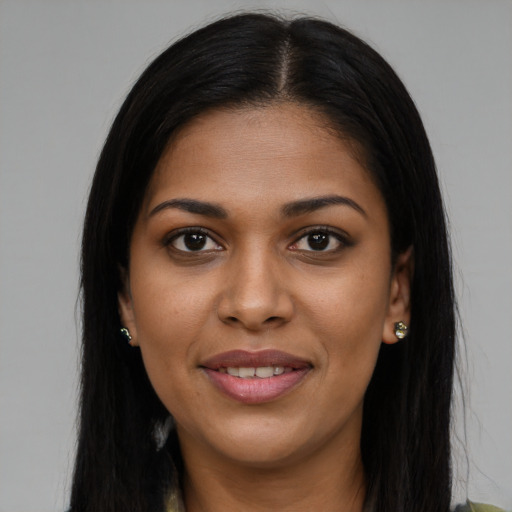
column 477, row 507
column 176, row 505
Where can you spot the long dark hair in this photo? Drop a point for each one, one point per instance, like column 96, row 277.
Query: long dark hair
column 256, row 59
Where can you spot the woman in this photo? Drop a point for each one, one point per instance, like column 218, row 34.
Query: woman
column 265, row 261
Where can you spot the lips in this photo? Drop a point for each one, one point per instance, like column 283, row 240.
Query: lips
column 255, row 377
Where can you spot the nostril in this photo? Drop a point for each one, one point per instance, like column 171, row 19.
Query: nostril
column 269, row 320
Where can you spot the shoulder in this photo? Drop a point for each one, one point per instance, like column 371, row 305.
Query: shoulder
column 477, row 507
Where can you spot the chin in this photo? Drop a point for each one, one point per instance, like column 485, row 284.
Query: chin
column 265, row 454
column 262, row 443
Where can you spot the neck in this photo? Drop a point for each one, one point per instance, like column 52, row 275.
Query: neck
column 332, row 484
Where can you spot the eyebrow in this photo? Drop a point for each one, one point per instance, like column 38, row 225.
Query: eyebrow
column 192, row 206
column 293, row 209
column 303, row 206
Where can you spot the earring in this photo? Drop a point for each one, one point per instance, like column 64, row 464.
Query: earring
column 126, row 333
column 401, row 330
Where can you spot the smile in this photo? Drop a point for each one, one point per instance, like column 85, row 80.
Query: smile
column 261, row 372
column 255, row 377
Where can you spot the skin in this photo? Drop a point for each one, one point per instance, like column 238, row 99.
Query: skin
column 258, row 284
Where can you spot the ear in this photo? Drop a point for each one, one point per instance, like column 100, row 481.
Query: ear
column 399, row 307
column 125, row 306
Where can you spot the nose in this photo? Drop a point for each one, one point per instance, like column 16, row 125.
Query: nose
column 255, row 293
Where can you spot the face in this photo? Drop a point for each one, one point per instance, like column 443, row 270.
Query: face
column 260, row 286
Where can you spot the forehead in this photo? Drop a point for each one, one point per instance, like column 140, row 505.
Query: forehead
column 254, row 153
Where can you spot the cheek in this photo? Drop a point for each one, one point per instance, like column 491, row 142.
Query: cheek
column 168, row 307
column 349, row 313
column 175, row 315
column 167, row 321
column 351, row 304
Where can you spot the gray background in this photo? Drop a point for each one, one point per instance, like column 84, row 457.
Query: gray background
column 64, row 69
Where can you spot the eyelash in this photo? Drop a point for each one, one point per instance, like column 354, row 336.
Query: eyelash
column 173, row 237
column 342, row 239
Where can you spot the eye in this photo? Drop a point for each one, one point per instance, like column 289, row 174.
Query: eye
column 192, row 240
column 320, row 240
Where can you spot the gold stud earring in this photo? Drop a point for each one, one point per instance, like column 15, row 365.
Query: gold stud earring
column 401, row 330
column 126, row 333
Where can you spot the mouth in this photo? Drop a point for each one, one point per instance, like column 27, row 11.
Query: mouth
column 255, row 377
column 260, row 372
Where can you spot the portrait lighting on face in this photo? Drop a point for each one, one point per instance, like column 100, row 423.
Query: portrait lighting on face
column 266, row 284
column 261, row 303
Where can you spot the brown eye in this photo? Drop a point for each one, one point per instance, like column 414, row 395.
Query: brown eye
column 194, row 241
column 319, row 241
